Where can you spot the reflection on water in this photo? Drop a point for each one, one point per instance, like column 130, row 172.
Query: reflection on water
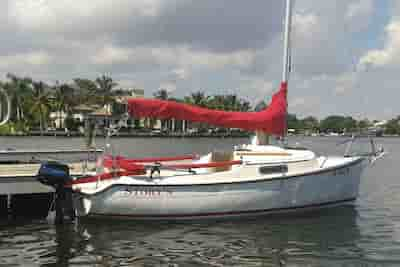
column 326, row 238
column 251, row 242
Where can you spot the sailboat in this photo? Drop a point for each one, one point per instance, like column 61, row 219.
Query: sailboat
column 251, row 179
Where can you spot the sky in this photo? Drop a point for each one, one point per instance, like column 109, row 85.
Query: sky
column 345, row 53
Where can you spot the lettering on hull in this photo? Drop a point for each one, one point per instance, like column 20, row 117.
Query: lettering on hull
column 150, row 192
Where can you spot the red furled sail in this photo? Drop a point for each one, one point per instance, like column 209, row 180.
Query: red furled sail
column 271, row 120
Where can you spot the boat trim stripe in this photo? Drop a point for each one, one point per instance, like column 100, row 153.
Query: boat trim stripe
column 226, row 213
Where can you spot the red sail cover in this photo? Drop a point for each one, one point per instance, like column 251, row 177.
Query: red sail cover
column 271, row 120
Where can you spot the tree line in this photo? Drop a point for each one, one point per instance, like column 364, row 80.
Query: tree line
column 33, row 101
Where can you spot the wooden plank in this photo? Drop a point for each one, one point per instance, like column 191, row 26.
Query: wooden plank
column 21, row 178
column 24, row 170
column 31, row 156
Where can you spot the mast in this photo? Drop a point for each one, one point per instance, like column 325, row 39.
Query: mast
column 286, row 48
column 263, row 138
column 286, row 53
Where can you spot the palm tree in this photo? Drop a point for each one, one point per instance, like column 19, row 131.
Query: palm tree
column 19, row 90
column 86, row 90
column 216, row 102
column 231, row 103
column 201, row 100
column 161, row 94
column 198, row 99
column 244, row 106
column 40, row 102
column 63, row 100
column 260, row 106
column 69, row 98
column 105, row 85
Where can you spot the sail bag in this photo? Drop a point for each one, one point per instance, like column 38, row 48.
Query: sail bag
column 271, row 120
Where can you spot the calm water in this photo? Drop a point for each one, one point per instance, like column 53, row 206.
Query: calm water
column 366, row 234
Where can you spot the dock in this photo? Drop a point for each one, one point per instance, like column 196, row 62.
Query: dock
column 22, row 195
column 8, row 156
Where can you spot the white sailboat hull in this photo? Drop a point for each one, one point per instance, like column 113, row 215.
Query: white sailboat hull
column 333, row 185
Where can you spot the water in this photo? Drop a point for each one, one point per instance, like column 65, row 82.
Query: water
column 366, row 234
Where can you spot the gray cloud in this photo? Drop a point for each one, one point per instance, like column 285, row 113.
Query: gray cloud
column 214, row 45
column 215, row 25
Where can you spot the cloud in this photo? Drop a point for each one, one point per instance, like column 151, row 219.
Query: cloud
column 345, row 82
column 37, row 58
column 112, row 55
column 204, row 25
column 168, row 86
column 390, row 53
column 180, row 74
column 223, row 46
column 66, row 15
column 182, row 57
column 174, row 77
column 359, row 14
column 256, row 89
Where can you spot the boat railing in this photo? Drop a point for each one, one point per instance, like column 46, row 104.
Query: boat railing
column 373, row 154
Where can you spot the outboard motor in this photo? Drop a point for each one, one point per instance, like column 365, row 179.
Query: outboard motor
column 57, row 175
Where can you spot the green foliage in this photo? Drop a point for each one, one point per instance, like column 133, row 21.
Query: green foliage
column 32, row 102
column 338, row 124
column 40, row 103
column 392, row 127
column 310, row 123
column 12, row 128
column 20, row 90
column 198, row 98
column 72, row 124
column 104, row 90
column 293, row 122
column 364, row 124
column 260, row 106
column 86, row 91
column 161, row 94
column 136, row 124
column 6, row 129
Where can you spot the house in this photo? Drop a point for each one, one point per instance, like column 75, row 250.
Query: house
column 57, row 119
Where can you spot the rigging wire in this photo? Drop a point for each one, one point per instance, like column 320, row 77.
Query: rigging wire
column 354, row 71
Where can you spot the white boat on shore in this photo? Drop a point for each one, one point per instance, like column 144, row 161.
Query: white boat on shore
column 251, row 179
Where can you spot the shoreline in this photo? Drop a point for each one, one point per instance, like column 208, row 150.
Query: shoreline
column 140, row 135
column 169, row 135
